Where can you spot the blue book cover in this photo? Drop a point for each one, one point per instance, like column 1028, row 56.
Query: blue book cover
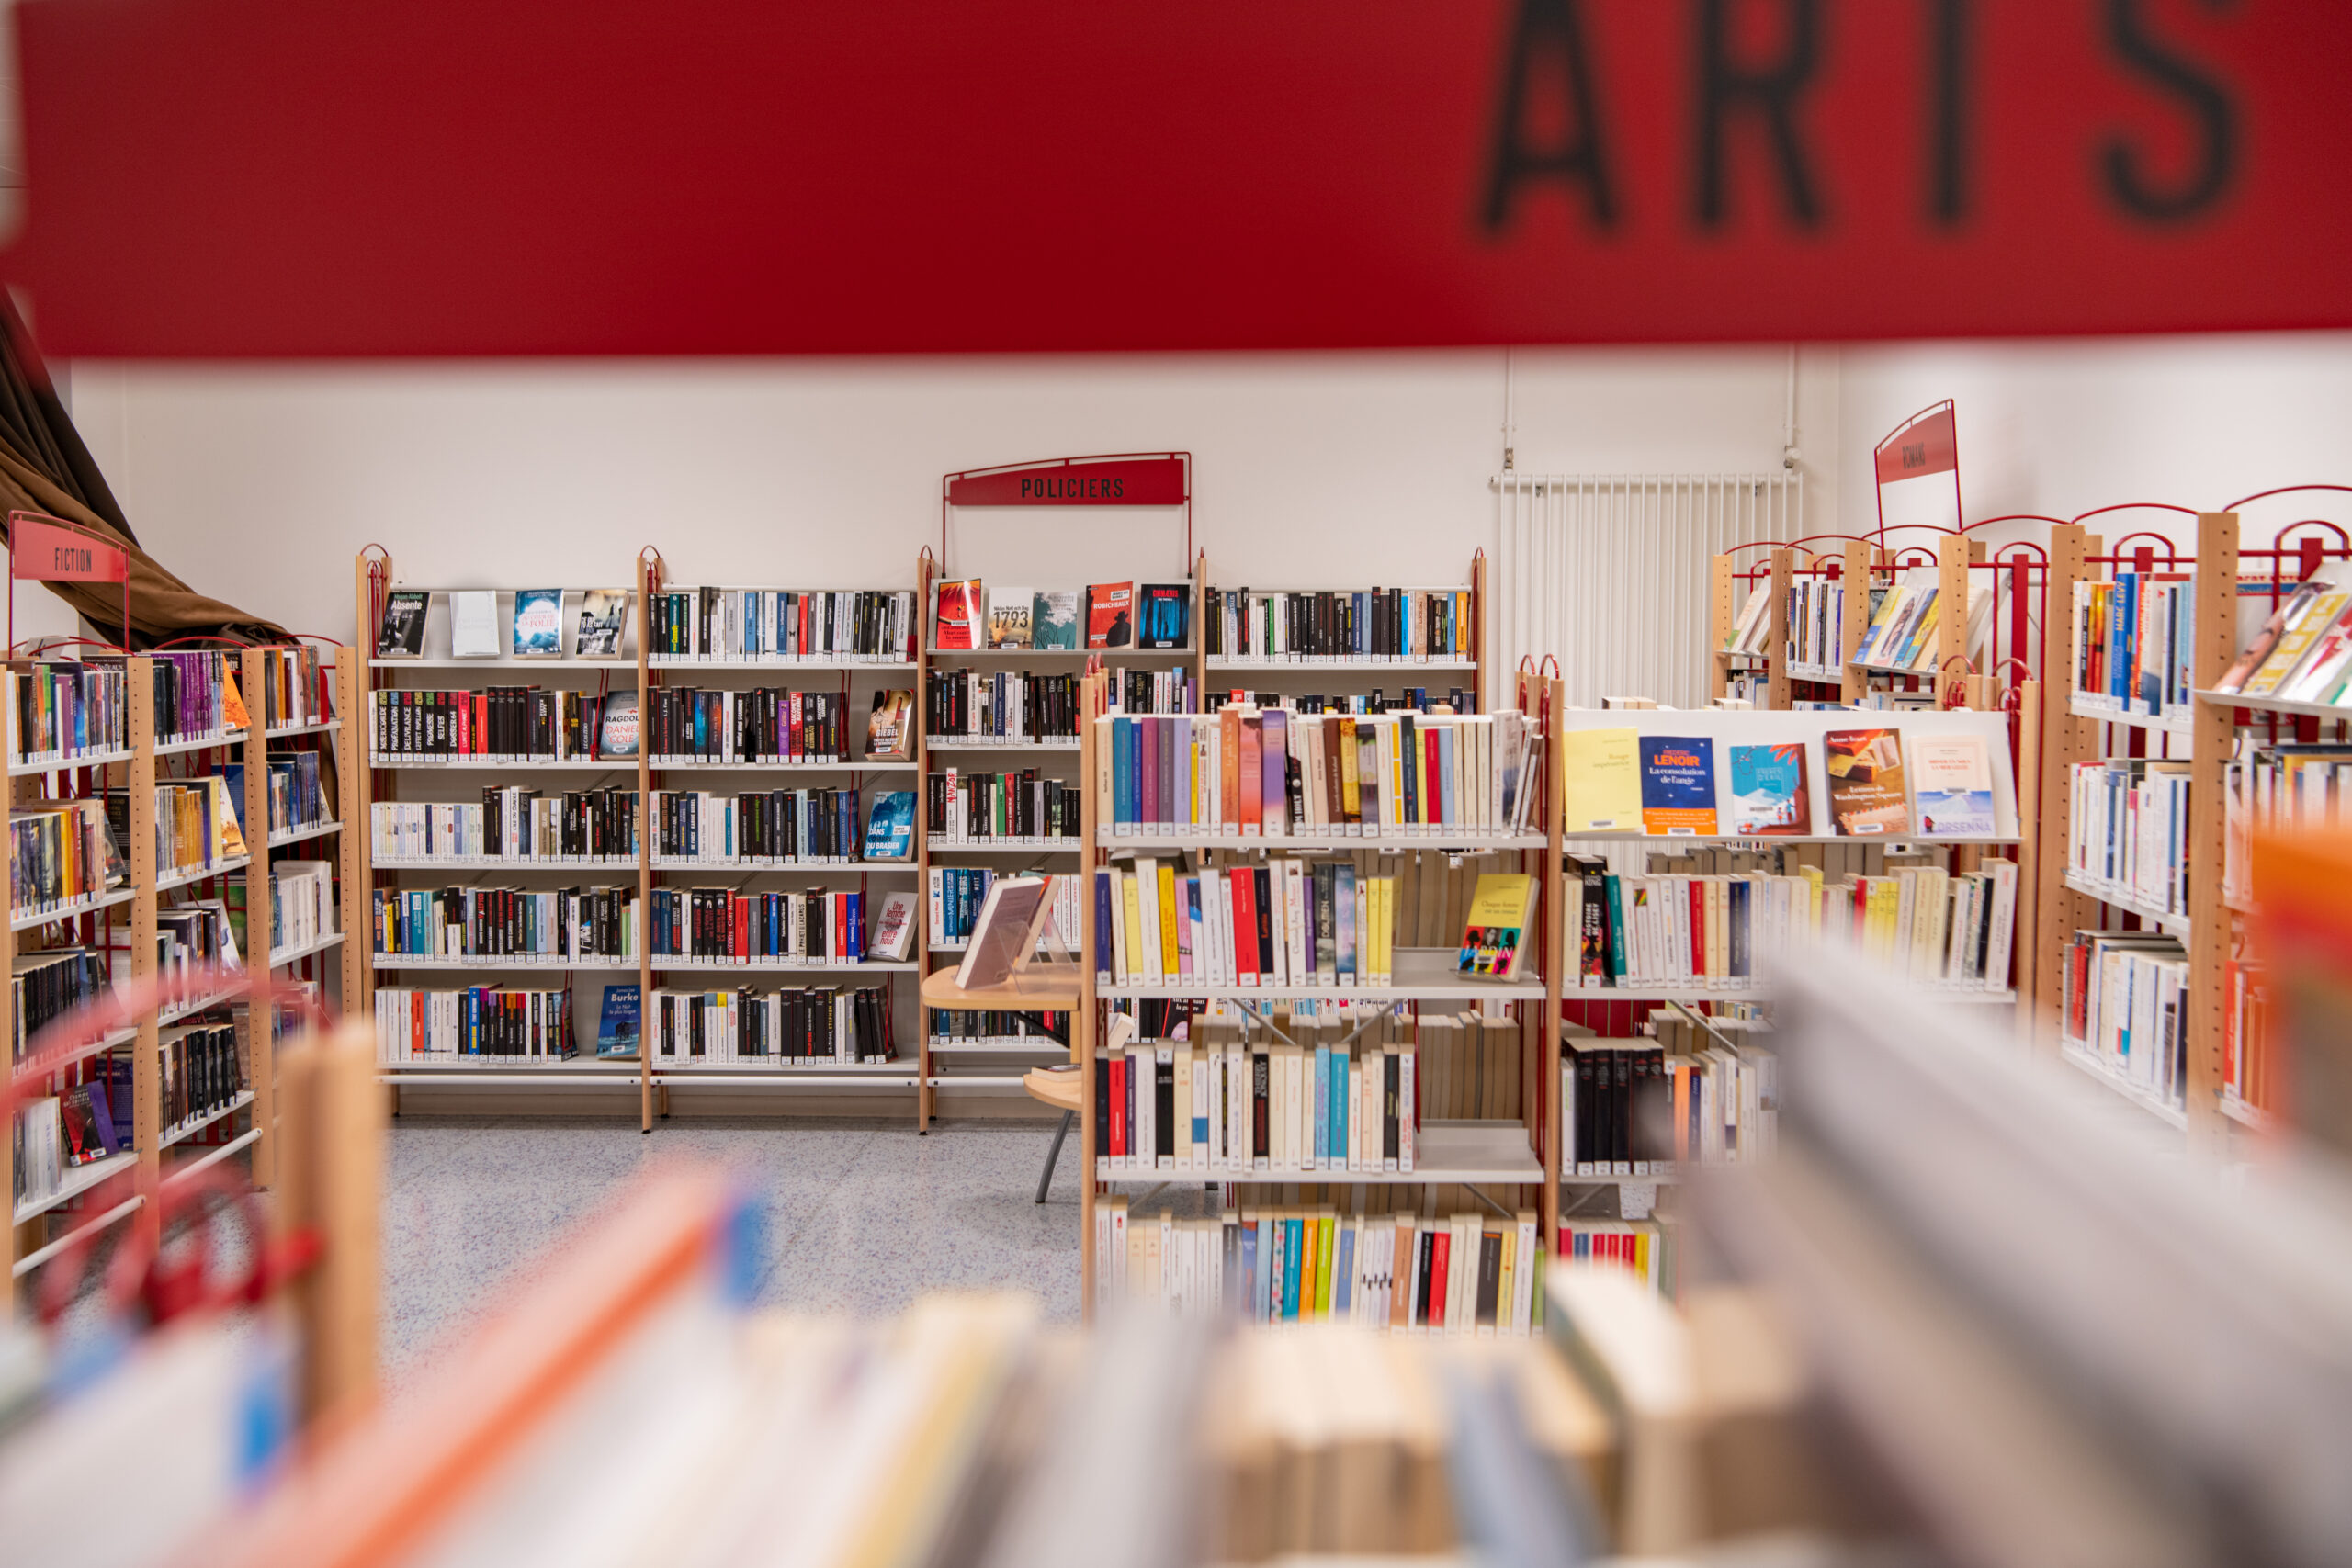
column 1104, row 952
column 1322, row 1103
column 1122, row 770
column 1340, row 1109
column 891, row 826
column 618, row 1029
column 538, row 623
column 1343, row 1276
column 1768, row 793
column 1293, row 1262
column 1677, row 785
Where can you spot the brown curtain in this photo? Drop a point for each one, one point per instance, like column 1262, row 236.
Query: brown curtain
column 44, row 467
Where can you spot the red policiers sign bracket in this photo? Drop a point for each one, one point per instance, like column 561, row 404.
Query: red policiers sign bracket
column 42, row 548
column 1110, row 479
column 1922, row 446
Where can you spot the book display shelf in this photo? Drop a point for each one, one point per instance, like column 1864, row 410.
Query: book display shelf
column 129, row 852
column 1395, row 1002
column 2201, row 709
column 663, row 814
column 1340, row 643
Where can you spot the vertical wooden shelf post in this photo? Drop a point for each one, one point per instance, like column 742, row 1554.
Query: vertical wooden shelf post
column 2210, row 735
column 926, row 1097
column 1091, row 704
column 146, row 1065
column 649, row 582
column 1854, row 620
column 1952, row 557
column 358, row 999
column 10, row 746
column 1776, row 644
column 1553, row 883
column 252, row 677
column 1722, row 614
column 2064, row 741
column 1480, row 698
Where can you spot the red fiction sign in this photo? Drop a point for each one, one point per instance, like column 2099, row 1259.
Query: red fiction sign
column 280, row 178
column 1116, row 481
column 1928, row 443
column 52, row 552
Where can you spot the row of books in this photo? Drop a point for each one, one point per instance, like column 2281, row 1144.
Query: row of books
column 1628, row 781
column 1458, row 1275
column 535, row 630
column 807, row 1023
column 2269, row 788
column 1643, row 1248
column 2302, row 653
column 2249, row 1035
column 202, row 1073
column 511, row 822
column 2134, row 644
column 1150, row 691
column 61, row 853
column 195, row 697
column 44, row 987
column 297, row 688
column 1286, row 922
column 781, row 826
column 37, row 1149
column 999, row 704
column 2125, row 1000
column 65, row 710
column 956, row 895
column 417, row 1025
column 1816, row 617
column 497, row 724
column 522, row 925
column 301, row 903
column 1265, row 772
column 967, row 615
column 963, row 806
column 1637, row 1110
column 721, row 925
column 1412, row 699
column 1261, row 1110
column 746, row 625
column 979, row 1026
column 298, row 790
column 683, row 725
column 196, row 824
column 1726, row 932
column 1344, row 626
column 192, row 936
column 2128, row 828
column 1903, row 630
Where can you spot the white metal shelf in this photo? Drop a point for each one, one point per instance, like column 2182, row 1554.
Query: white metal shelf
column 783, row 965
column 685, row 661
column 1038, row 1047
column 1642, row 991
column 554, row 663
column 74, row 910
column 182, row 877
column 200, row 743
column 1422, row 973
column 2181, row 723
column 279, row 957
column 1440, row 843
column 65, row 764
column 2114, row 892
column 507, row 962
column 195, row 1125
column 614, row 1068
column 1109, row 656
column 526, row 764
column 281, row 837
column 1470, row 1153
column 2245, row 1115
column 1006, row 845
column 2084, row 1060
column 501, row 863
column 1371, row 664
column 1658, row 1177
column 1766, row 840
column 287, row 731
column 77, row 1180
column 676, row 762
column 2277, row 705
column 742, row 864
column 992, row 744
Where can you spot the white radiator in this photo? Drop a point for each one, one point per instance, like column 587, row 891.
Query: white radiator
column 1609, row 573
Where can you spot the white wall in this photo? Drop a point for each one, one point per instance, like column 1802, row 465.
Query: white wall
column 1309, row 468
column 2062, row 427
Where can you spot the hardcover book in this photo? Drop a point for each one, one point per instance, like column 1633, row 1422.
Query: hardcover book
column 956, row 619
column 1953, row 775
column 603, row 617
column 889, row 729
column 402, row 633
column 1494, row 934
column 1768, row 793
column 1110, row 615
column 618, row 1027
column 617, row 734
column 1677, row 785
column 1163, row 615
column 1010, row 612
column 538, row 623
column 473, row 624
column 891, row 826
column 894, row 931
column 1053, row 619
column 1866, row 784
column 1602, row 780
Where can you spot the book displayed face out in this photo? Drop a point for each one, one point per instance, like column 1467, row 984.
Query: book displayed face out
column 1006, row 933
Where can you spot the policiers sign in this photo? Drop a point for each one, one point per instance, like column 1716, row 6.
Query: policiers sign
column 269, row 178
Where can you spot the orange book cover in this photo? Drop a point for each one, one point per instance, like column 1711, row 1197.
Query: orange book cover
column 1229, row 767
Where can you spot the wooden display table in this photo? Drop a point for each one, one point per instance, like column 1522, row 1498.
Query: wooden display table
column 1038, row 988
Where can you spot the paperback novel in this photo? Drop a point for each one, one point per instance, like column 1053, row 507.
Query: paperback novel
column 473, row 624
column 618, row 1028
column 1010, row 612
column 1677, row 785
column 1495, row 935
column 1953, row 775
column 402, row 634
column 1164, row 614
column 1603, row 781
column 538, row 623
column 603, row 613
column 1110, row 615
column 1866, row 784
column 1053, row 619
column 617, row 735
column 891, row 826
column 956, row 623
column 1769, row 794
column 889, row 729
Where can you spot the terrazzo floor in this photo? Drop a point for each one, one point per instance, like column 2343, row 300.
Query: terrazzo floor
column 862, row 1217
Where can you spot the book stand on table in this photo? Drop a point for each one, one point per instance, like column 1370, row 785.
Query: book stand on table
column 1049, row 988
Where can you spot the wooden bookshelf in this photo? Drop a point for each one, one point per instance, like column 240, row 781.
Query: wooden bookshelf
column 1514, row 1155
column 1221, row 674
column 1729, row 582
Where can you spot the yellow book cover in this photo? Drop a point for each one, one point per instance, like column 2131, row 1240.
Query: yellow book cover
column 1139, row 966
column 2317, row 617
column 1168, row 918
column 1350, row 783
column 1507, row 1287
column 232, row 706
column 1495, row 931
column 1603, row 780
column 1885, row 900
column 1106, row 797
column 224, row 818
column 1326, row 1227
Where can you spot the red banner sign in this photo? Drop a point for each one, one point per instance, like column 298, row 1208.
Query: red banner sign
column 51, row 552
column 281, row 178
column 1117, row 481
column 1929, row 444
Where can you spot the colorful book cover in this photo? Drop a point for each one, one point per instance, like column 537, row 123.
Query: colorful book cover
column 617, row 1029
column 1677, row 785
column 402, row 635
column 1602, row 779
column 1953, row 775
column 1111, row 615
column 1163, row 615
column 956, row 621
column 891, row 826
column 2296, row 643
column 1768, row 793
column 1494, row 932
column 1011, row 613
column 1866, row 784
column 1053, row 619
column 2258, row 647
column 604, row 617
column 616, row 737
column 538, row 623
